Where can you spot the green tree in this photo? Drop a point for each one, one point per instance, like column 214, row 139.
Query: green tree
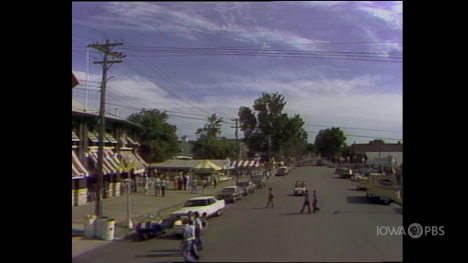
column 377, row 141
column 209, row 143
column 330, row 142
column 309, row 149
column 159, row 141
column 266, row 128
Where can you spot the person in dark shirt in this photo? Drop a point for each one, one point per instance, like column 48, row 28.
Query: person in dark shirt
column 314, row 202
column 270, row 199
column 306, row 202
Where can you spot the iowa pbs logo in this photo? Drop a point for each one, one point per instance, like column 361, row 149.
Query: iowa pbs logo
column 415, row 231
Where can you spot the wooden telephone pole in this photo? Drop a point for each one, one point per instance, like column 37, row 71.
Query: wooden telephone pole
column 106, row 63
column 238, row 154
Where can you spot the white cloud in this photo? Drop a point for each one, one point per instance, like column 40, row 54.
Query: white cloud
column 390, row 15
column 330, row 102
column 324, row 4
column 149, row 17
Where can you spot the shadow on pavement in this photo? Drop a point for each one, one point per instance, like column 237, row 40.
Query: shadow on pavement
column 133, row 237
column 398, row 210
column 256, row 208
column 162, row 255
column 337, row 177
column 166, row 250
column 360, row 200
column 362, row 212
column 169, row 237
column 296, row 213
column 293, row 195
column 77, row 232
column 354, row 189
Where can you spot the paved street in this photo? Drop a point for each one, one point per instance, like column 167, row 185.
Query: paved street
column 343, row 230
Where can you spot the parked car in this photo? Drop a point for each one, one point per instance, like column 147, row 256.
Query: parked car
column 259, row 180
column 282, row 171
column 248, row 187
column 231, row 193
column 345, row 173
column 205, row 204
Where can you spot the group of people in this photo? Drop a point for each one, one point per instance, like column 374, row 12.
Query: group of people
column 191, row 244
column 306, row 203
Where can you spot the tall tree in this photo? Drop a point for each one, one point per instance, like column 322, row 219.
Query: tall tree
column 330, row 142
column 209, row 143
column 265, row 120
column 159, row 141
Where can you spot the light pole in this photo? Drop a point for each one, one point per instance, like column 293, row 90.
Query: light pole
column 129, row 222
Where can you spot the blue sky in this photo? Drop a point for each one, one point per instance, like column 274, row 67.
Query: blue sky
column 349, row 77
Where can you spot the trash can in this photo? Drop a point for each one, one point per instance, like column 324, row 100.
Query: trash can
column 108, row 229
column 99, row 223
column 90, row 226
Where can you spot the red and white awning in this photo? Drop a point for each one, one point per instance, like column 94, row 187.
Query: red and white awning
column 78, row 169
column 245, row 164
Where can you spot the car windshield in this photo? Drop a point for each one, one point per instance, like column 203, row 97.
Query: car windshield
column 243, row 184
column 228, row 190
column 192, row 203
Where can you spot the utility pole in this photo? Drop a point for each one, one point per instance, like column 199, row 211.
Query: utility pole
column 236, row 120
column 269, row 148
column 106, row 63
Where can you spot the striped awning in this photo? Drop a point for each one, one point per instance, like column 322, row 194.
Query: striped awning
column 141, row 159
column 75, row 137
column 132, row 160
column 132, row 141
column 245, row 164
column 78, row 169
column 110, row 138
column 107, row 167
column 113, row 160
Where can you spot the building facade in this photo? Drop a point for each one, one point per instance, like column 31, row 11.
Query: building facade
column 121, row 153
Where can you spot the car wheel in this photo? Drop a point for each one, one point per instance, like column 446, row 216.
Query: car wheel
column 218, row 213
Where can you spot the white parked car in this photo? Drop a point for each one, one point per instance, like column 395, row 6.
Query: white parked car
column 205, row 204
column 299, row 191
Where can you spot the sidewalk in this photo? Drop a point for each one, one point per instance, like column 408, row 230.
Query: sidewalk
column 144, row 208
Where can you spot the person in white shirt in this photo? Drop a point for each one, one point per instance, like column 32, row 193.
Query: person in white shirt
column 188, row 246
column 157, row 187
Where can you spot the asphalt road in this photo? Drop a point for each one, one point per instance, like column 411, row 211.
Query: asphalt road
column 345, row 229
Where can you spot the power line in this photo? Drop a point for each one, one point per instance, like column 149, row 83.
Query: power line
column 351, row 128
column 150, row 65
column 363, row 136
column 277, row 56
column 120, row 95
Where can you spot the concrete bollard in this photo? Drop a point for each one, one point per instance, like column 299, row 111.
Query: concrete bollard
column 108, row 229
column 99, row 223
column 90, row 226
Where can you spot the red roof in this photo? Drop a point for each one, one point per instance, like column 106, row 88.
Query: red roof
column 74, row 81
